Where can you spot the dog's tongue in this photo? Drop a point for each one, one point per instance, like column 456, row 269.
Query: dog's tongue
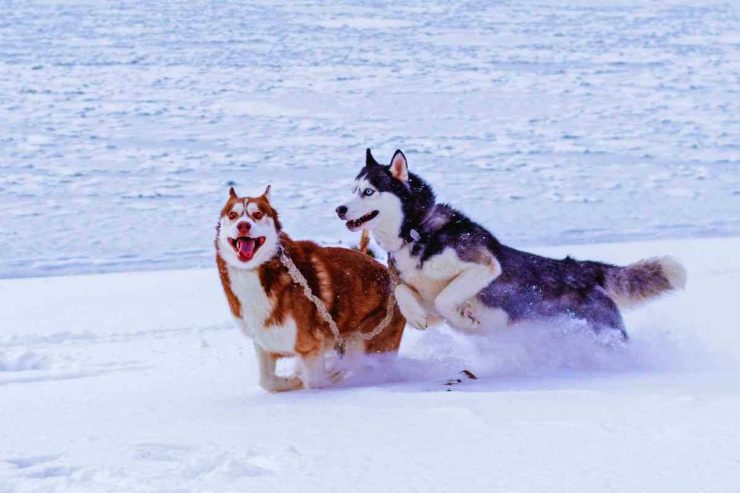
column 245, row 246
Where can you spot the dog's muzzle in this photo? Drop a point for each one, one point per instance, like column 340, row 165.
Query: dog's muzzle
column 355, row 224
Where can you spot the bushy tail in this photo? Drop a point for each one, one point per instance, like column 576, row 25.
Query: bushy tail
column 644, row 280
column 364, row 245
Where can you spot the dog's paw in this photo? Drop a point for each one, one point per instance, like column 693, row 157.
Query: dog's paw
column 417, row 320
column 420, row 324
column 281, row 384
column 468, row 313
column 413, row 312
column 463, row 317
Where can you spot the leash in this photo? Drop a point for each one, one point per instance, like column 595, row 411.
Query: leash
column 339, row 341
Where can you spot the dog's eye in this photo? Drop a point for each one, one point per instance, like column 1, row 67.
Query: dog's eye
column 368, row 192
column 233, row 215
column 257, row 215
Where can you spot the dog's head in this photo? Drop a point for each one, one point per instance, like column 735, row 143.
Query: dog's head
column 386, row 198
column 248, row 230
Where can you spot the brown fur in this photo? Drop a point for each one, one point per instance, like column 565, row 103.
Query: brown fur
column 262, row 203
column 356, row 297
column 354, row 288
column 234, row 304
column 364, row 246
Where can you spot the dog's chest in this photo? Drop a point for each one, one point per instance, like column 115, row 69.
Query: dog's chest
column 256, row 308
column 430, row 278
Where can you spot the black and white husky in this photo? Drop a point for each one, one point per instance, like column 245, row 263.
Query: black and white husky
column 453, row 269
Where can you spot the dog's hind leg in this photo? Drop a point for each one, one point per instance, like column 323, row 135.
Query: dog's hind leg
column 602, row 313
column 314, row 374
column 268, row 380
column 454, row 302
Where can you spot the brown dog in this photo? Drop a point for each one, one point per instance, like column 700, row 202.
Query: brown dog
column 271, row 307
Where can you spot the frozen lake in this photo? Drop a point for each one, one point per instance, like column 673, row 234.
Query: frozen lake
column 123, row 124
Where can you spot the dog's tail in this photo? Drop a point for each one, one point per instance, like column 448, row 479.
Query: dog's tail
column 642, row 281
column 364, row 245
column 364, row 242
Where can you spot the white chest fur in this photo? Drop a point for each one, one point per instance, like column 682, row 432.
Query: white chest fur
column 447, row 286
column 256, row 307
column 431, row 278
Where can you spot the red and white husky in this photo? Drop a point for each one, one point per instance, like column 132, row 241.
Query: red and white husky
column 272, row 309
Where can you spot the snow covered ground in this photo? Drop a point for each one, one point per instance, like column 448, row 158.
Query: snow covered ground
column 129, row 382
column 122, row 123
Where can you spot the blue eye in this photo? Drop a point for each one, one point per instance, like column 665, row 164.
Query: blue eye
column 368, row 192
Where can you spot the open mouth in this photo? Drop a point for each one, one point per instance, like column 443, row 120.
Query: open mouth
column 246, row 247
column 354, row 224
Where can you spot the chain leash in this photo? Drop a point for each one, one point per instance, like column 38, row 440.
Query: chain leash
column 339, row 341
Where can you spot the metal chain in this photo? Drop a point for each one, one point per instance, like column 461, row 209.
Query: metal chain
column 339, row 341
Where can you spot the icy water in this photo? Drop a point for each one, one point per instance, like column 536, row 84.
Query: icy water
column 122, row 124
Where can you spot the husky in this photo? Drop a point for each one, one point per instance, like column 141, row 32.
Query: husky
column 453, row 269
column 271, row 307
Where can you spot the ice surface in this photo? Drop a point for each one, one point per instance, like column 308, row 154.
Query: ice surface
column 122, row 124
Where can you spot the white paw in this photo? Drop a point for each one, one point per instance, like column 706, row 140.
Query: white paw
column 463, row 317
column 318, row 383
column 413, row 312
column 417, row 318
column 281, row 384
column 469, row 314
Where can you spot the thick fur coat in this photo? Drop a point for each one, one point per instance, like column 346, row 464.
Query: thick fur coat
column 454, row 269
column 272, row 309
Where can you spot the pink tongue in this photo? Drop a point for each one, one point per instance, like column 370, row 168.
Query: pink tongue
column 246, row 247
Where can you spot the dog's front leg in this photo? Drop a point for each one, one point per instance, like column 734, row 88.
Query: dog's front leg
column 453, row 303
column 268, row 380
column 411, row 307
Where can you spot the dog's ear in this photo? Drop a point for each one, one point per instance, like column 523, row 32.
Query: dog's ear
column 232, row 193
column 399, row 167
column 266, row 193
column 369, row 159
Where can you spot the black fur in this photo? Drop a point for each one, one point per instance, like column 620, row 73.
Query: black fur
column 416, row 196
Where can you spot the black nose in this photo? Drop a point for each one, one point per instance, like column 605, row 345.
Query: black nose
column 243, row 227
column 342, row 211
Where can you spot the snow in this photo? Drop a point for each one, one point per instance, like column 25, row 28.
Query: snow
column 606, row 123
column 141, row 382
column 21, row 361
column 122, row 124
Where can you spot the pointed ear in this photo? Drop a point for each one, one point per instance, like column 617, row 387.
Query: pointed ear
column 266, row 193
column 232, row 193
column 369, row 159
column 399, row 168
